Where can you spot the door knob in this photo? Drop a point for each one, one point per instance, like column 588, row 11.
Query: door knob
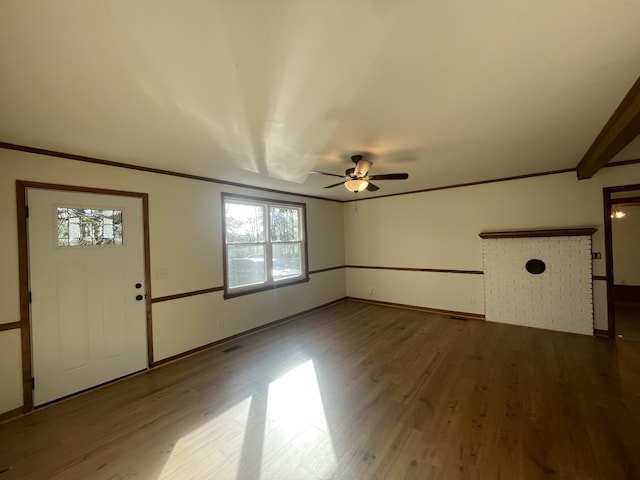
column 139, row 297
column 138, row 285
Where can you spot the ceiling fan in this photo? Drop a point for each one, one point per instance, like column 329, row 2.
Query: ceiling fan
column 357, row 179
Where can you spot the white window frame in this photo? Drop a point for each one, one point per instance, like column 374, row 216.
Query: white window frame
column 270, row 282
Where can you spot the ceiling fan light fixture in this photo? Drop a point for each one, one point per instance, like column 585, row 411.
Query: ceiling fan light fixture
column 356, row 179
column 356, row 185
column 618, row 214
column 362, row 167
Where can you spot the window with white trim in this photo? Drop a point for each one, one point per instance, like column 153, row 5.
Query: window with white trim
column 260, row 233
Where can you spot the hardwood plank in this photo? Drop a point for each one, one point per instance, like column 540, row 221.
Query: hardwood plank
column 353, row 391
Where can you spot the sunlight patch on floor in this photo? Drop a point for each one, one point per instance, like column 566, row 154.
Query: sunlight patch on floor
column 302, row 434
column 279, row 431
column 198, row 454
column 294, row 398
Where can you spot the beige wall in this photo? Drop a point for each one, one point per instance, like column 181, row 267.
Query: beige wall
column 186, row 255
column 436, row 230
column 439, row 230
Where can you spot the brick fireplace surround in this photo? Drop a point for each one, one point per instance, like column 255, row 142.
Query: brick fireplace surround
column 539, row 278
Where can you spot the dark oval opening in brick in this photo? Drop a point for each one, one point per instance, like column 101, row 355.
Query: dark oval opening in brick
column 535, row 266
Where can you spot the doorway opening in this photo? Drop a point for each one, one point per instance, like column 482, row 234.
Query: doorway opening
column 622, row 237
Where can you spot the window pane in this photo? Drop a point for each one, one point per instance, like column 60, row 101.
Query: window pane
column 245, row 265
column 287, row 260
column 285, row 224
column 264, row 243
column 87, row 226
column 244, row 223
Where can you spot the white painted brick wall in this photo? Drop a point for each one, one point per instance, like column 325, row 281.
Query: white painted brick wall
column 560, row 298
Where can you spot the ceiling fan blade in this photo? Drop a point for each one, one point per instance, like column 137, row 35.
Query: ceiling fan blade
column 334, row 185
column 389, row 176
column 325, row 173
column 372, row 188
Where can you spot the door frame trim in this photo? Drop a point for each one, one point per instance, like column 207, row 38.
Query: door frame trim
column 23, row 272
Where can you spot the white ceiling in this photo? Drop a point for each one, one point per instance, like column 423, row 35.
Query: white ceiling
column 262, row 91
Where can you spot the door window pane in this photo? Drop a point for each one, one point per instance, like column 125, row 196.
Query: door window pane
column 88, row 226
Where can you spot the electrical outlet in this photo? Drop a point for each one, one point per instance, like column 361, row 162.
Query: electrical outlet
column 161, row 273
column 472, row 300
column 370, row 290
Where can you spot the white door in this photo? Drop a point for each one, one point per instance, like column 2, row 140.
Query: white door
column 86, row 271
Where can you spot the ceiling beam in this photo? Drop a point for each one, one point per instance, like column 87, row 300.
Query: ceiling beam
column 622, row 128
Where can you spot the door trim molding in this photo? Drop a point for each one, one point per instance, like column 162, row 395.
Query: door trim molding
column 23, row 272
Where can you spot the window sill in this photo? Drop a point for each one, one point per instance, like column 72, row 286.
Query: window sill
column 263, row 288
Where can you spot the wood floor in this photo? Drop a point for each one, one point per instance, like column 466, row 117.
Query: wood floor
column 354, row 391
column 628, row 322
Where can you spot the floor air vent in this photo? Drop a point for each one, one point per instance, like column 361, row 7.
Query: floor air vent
column 232, row 348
